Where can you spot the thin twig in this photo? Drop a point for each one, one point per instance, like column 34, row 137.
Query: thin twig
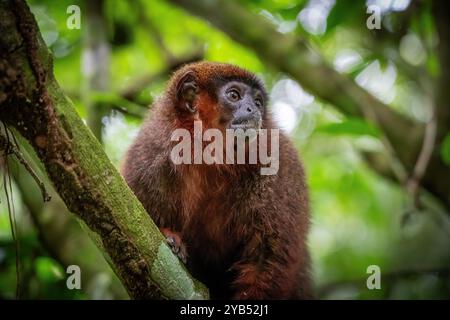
column 9, row 148
column 429, row 139
column 12, row 217
column 127, row 112
column 397, row 167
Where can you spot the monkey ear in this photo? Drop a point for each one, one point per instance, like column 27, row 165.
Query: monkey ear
column 187, row 89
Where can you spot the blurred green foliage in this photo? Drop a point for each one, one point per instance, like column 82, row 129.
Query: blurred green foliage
column 446, row 149
column 359, row 219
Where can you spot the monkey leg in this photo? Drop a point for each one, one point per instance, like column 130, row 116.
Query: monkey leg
column 175, row 243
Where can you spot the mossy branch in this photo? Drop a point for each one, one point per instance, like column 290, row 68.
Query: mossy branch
column 32, row 102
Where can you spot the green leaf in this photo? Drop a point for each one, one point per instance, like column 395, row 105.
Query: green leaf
column 48, row 270
column 445, row 150
column 351, row 126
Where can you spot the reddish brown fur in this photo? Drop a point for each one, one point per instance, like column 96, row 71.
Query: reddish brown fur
column 245, row 233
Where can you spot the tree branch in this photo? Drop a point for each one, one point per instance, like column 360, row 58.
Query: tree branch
column 8, row 148
column 295, row 58
column 139, row 84
column 88, row 183
column 62, row 236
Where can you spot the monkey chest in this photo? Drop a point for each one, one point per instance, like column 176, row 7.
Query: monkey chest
column 209, row 229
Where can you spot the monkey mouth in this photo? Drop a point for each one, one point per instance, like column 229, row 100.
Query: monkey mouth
column 245, row 123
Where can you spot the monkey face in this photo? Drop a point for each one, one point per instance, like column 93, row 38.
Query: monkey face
column 220, row 95
column 243, row 105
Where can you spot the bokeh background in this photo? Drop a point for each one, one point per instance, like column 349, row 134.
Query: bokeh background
column 118, row 62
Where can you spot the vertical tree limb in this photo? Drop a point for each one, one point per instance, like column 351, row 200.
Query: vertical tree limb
column 32, row 102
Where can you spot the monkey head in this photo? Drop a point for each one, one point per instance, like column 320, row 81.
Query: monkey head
column 222, row 96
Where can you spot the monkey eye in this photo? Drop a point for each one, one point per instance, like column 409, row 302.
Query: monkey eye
column 233, row 95
column 258, row 102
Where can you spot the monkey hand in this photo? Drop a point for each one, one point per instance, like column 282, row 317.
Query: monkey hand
column 173, row 239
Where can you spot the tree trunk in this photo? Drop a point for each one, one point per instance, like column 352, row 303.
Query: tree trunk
column 60, row 233
column 32, row 102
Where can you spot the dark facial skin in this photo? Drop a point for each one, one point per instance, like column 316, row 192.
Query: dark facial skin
column 243, row 103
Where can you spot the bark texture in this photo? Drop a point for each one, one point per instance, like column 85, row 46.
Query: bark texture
column 32, row 102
